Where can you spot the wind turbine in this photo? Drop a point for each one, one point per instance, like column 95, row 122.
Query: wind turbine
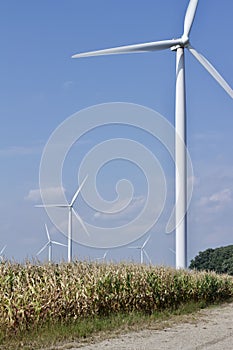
column 49, row 245
column 70, row 208
column 177, row 45
column 142, row 250
column 1, row 252
column 103, row 257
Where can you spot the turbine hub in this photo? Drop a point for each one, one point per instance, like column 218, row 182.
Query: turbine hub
column 184, row 41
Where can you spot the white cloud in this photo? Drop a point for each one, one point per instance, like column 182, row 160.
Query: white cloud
column 68, row 84
column 129, row 211
column 54, row 193
column 224, row 196
column 217, row 201
column 33, row 195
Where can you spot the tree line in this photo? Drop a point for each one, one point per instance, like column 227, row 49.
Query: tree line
column 219, row 260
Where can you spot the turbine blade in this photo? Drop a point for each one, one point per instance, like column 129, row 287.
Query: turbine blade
column 172, row 250
column 152, row 46
column 43, row 248
column 105, row 254
column 134, row 247
column 47, row 232
column 208, row 66
column 58, row 243
column 82, row 224
column 144, row 244
column 52, row 206
column 145, row 252
column 189, row 17
column 3, row 249
column 78, row 190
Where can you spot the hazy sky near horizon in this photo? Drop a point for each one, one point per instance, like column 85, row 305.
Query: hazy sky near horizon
column 41, row 86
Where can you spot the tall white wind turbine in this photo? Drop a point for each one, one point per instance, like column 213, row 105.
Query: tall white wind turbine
column 70, row 214
column 1, row 253
column 142, row 250
column 177, row 45
column 49, row 245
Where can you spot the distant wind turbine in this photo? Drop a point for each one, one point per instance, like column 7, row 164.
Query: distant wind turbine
column 70, row 207
column 142, row 250
column 49, row 245
column 1, row 252
column 103, row 257
column 177, row 45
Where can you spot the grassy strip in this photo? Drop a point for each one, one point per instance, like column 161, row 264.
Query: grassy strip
column 75, row 333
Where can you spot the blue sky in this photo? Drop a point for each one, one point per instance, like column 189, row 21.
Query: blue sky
column 41, row 86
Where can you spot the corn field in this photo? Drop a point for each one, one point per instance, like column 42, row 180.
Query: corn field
column 32, row 294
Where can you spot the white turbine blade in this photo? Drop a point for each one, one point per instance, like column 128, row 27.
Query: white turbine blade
column 43, row 248
column 58, row 243
column 144, row 244
column 82, row 224
column 47, row 232
column 3, row 249
column 78, row 190
column 105, row 254
column 172, row 250
column 134, row 247
column 145, row 252
column 152, row 46
column 208, row 66
column 189, row 17
column 52, row 206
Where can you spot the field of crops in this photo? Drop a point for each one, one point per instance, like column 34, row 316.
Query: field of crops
column 31, row 294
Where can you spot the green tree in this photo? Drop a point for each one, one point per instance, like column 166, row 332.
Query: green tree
column 219, row 260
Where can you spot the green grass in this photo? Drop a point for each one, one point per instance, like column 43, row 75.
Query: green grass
column 97, row 328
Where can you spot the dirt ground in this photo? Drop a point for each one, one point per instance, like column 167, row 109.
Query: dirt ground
column 209, row 329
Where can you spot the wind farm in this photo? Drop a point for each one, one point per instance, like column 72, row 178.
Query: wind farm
column 67, row 276
column 189, row 9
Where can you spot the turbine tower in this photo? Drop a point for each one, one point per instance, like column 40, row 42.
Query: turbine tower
column 177, row 45
column 142, row 250
column 70, row 214
column 49, row 245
